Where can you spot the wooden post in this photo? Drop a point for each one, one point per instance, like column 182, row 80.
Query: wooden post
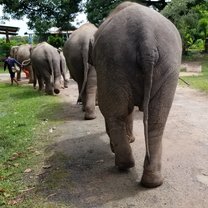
column 7, row 36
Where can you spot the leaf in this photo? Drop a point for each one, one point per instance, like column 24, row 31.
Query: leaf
column 2, row 190
column 46, row 166
column 15, row 201
column 28, row 170
column 37, row 153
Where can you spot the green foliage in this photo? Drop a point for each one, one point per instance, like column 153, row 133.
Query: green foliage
column 191, row 19
column 56, row 41
column 43, row 14
column 24, row 123
column 98, row 10
column 199, row 82
column 5, row 47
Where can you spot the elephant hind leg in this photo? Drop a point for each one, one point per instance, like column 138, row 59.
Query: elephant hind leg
column 159, row 108
column 120, row 144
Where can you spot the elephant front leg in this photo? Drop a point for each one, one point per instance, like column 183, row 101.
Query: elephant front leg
column 119, row 139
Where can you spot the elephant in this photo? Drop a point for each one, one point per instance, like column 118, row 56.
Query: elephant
column 76, row 52
column 136, row 54
column 22, row 53
column 46, row 64
column 13, row 51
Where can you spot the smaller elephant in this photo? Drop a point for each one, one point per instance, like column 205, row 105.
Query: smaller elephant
column 76, row 52
column 22, row 53
column 13, row 51
column 46, row 63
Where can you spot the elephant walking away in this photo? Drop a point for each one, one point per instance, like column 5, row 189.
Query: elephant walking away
column 46, row 63
column 76, row 52
column 136, row 54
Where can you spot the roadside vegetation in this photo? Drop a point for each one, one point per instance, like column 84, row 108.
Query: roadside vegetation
column 199, row 81
column 26, row 128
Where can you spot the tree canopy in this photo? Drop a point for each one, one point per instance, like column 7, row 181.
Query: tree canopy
column 43, row 14
column 97, row 10
column 191, row 19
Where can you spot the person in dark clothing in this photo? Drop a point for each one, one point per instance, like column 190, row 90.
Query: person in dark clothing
column 10, row 63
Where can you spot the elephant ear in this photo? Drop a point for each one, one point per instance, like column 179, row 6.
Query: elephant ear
column 91, row 42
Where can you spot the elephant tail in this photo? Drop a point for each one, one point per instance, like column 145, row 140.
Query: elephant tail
column 147, row 92
column 26, row 63
column 148, row 62
column 86, row 69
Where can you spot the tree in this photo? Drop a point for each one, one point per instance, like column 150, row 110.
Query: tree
column 43, row 14
column 191, row 19
column 97, row 10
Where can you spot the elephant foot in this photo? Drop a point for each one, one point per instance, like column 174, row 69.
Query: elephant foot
column 124, row 160
column 66, row 83
column 124, row 165
column 89, row 116
column 30, row 81
column 151, row 179
column 57, row 91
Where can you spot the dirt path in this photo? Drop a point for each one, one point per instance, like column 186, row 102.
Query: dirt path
column 83, row 173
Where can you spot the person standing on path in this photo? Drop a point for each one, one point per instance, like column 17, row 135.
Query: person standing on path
column 10, row 63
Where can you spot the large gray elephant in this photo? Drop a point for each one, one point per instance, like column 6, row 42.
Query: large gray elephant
column 22, row 53
column 76, row 52
column 136, row 54
column 46, row 63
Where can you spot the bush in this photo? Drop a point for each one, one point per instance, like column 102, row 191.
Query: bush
column 198, row 45
column 56, row 41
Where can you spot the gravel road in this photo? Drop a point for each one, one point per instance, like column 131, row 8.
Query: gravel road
column 84, row 175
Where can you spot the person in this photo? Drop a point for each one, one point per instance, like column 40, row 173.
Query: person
column 10, row 63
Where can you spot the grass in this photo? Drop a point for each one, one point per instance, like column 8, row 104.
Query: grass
column 2, row 70
column 199, row 82
column 24, row 123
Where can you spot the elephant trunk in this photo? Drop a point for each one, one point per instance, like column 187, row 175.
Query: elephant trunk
column 26, row 62
column 57, row 85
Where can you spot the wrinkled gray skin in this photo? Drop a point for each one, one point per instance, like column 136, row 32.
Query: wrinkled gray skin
column 46, row 63
column 22, row 53
column 76, row 52
column 136, row 54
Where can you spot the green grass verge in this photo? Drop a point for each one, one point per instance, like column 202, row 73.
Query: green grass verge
column 199, row 82
column 2, row 70
column 24, row 122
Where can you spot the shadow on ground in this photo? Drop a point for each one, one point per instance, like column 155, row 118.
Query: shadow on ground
column 82, row 174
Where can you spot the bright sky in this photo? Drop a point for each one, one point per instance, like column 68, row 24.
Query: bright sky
column 80, row 19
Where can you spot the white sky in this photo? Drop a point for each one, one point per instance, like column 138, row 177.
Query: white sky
column 80, row 19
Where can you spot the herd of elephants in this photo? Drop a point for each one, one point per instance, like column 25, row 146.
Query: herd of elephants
column 132, row 59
